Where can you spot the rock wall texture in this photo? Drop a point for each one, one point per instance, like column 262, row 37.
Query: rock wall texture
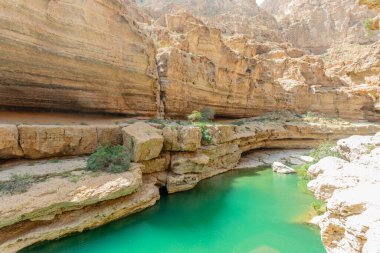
column 240, row 77
column 166, row 155
column 81, row 56
column 321, row 24
column 230, row 16
column 350, row 186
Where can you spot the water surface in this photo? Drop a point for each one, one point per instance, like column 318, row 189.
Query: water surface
column 241, row 211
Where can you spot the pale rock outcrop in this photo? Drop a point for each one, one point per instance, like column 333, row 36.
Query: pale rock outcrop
column 282, row 168
column 81, row 56
column 58, row 194
column 38, row 141
column 321, row 24
column 352, row 220
column 13, row 239
column 144, row 141
column 356, row 146
column 9, row 146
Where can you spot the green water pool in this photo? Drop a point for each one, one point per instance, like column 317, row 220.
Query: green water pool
column 241, row 211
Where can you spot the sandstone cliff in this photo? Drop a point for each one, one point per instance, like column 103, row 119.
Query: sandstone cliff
column 81, row 56
column 321, row 24
column 241, row 77
column 230, row 16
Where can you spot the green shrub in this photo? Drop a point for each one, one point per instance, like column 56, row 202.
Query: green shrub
column 302, row 171
column 319, row 207
column 324, row 150
column 208, row 114
column 114, row 159
column 195, row 116
column 17, row 184
column 206, row 136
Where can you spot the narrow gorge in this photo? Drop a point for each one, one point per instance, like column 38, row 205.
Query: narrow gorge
column 128, row 112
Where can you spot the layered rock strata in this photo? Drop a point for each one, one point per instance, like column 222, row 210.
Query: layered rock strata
column 176, row 158
column 86, row 56
column 240, row 77
column 350, row 187
column 322, row 24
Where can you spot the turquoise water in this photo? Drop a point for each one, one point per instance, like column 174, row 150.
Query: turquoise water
column 241, row 211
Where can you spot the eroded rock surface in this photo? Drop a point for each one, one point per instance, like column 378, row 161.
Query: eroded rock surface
column 350, row 187
column 241, row 77
column 321, row 24
column 81, row 56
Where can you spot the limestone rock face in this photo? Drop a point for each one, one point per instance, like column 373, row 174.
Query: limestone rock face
column 144, row 141
column 43, row 199
column 182, row 138
column 372, row 4
column 45, row 141
column 81, row 56
column 282, row 168
column 13, row 239
column 9, row 146
column 230, row 16
column 240, row 77
column 352, row 220
column 321, row 24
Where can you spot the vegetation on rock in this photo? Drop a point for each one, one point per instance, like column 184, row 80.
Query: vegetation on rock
column 114, row 159
column 368, row 26
column 324, row 150
column 18, row 184
column 208, row 114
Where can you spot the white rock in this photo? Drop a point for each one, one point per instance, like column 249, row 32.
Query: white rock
column 282, row 168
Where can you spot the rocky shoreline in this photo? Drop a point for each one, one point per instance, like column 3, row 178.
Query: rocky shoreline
column 64, row 198
column 350, row 186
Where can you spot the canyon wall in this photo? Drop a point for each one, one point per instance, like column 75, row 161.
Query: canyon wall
column 321, row 24
column 81, row 56
column 241, row 77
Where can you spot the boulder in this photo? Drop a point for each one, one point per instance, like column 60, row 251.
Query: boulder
column 182, row 138
column 9, row 145
column 39, row 141
column 356, row 146
column 144, row 141
column 158, row 164
column 282, row 168
column 189, row 162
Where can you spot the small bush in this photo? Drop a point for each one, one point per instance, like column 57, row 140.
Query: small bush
column 195, row 116
column 319, row 207
column 324, row 150
column 208, row 114
column 302, row 171
column 114, row 159
column 18, row 184
column 206, row 136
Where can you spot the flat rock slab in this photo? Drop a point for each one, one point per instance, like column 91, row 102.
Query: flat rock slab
column 268, row 157
column 41, row 168
column 44, row 200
